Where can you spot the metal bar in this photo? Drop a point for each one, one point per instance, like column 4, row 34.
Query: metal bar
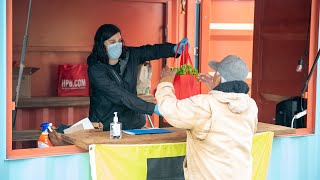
column 197, row 36
column 150, row 121
column 23, row 53
column 310, row 74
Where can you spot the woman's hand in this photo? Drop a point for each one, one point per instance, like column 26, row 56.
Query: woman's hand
column 182, row 45
column 210, row 81
column 167, row 75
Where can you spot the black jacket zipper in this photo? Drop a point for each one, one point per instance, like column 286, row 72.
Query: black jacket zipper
column 117, row 76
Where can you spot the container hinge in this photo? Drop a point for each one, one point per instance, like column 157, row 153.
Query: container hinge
column 196, row 51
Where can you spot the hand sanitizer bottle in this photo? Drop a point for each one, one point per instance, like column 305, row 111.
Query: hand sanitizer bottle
column 115, row 128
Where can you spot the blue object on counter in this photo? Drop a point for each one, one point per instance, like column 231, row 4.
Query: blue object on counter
column 146, row 131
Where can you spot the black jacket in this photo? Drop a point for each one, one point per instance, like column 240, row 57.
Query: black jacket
column 114, row 92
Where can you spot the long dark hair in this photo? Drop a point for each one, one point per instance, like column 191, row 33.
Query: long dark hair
column 103, row 33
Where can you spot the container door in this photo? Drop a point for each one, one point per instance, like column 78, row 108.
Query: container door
column 280, row 39
column 226, row 27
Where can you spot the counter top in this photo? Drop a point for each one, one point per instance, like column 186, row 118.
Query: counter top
column 84, row 139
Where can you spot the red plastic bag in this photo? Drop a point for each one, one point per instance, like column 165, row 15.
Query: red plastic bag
column 186, row 85
column 73, row 80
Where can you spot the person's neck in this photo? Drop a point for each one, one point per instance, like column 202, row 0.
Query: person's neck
column 113, row 61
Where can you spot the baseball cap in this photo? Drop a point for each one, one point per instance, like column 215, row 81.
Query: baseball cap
column 231, row 68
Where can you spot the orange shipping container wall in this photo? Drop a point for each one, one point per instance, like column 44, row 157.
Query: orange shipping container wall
column 269, row 35
column 62, row 33
column 32, row 118
column 230, row 32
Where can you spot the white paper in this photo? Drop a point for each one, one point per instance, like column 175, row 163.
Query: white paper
column 86, row 123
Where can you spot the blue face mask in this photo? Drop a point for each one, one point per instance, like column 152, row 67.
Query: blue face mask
column 114, row 50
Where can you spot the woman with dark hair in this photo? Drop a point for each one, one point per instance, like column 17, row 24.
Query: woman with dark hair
column 112, row 71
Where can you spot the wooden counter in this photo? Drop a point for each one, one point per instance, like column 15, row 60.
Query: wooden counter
column 43, row 102
column 83, row 140
column 278, row 130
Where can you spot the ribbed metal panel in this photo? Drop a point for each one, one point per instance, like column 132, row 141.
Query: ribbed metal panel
column 71, row 167
column 297, row 158
column 32, row 118
column 292, row 158
column 2, row 87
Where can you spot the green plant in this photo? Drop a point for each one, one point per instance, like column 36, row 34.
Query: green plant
column 186, row 69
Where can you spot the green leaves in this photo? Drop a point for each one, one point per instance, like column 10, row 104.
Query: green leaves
column 186, row 69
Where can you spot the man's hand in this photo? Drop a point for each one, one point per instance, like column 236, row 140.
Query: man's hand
column 210, row 81
column 167, row 75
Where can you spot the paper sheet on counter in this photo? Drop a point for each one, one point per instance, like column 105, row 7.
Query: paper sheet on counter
column 85, row 122
column 80, row 125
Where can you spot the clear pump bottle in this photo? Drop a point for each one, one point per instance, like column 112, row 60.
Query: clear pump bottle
column 115, row 128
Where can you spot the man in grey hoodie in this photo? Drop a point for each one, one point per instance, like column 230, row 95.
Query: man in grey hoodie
column 220, row 125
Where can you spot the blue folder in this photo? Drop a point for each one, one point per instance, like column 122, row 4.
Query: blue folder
column 146, row 131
